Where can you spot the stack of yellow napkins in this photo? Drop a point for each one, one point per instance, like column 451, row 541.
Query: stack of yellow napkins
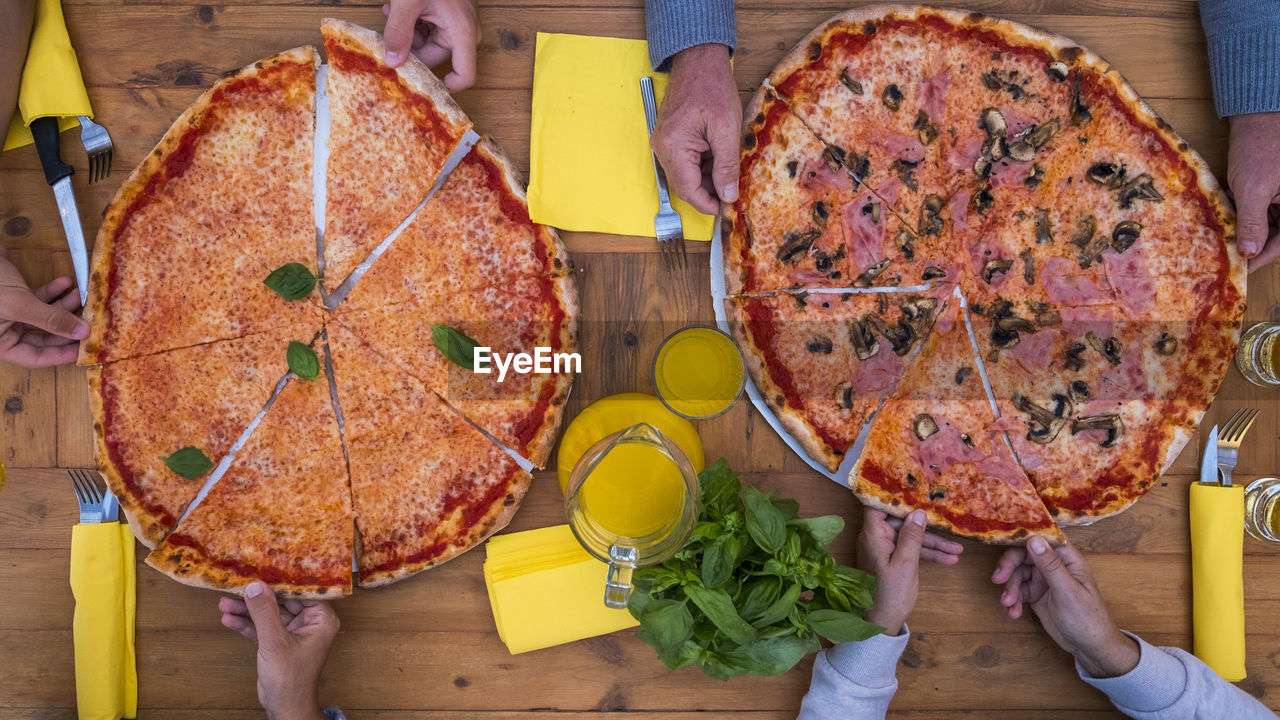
column 546, row 590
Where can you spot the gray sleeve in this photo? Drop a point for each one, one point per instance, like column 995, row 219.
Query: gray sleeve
column 673, row 25
column 1172, row 684
column 1244, row 54
column 854, row 680
column 334, row 713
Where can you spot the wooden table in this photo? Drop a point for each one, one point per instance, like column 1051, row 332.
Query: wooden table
column 426, row 647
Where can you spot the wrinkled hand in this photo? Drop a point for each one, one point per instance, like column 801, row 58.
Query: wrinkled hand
column 1056, row 582
column 37, row 327
column 1253, row 172
column 890, row 549
column 293, row 641
column 696, row 138
column 435, row 31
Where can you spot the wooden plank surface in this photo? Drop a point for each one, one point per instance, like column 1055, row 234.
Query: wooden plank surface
column 426, row 647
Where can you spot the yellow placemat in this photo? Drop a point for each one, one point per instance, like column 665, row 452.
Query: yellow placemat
column 590, row 164
column 51, row 85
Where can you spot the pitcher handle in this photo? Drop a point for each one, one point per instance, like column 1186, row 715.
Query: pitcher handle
column 617, row 589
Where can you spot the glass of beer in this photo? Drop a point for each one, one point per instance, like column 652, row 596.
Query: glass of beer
column 1258, row 357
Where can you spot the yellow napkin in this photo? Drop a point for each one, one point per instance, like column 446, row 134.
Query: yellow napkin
column 590, row 167
column 1217, row 579
column 546, row 590
column 51, row 84
column 102, row 581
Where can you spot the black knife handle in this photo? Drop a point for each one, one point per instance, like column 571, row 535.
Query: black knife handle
column 45, row 131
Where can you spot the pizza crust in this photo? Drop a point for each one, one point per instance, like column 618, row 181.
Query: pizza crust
column 190, row 567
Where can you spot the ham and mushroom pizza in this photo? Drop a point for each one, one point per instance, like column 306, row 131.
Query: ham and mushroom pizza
column 973, row 242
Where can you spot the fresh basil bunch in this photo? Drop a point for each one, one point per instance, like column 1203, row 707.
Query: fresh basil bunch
column 753, row 589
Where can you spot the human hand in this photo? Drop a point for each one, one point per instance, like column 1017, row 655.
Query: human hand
column 890, row 549
column 435, row 31
column 37, row 327
column 1056, row 582
column 696, row 138
column 293, row 639
column 1253, row 173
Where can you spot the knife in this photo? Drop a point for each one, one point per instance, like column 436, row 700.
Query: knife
column 1209, row 464
column 58, row 175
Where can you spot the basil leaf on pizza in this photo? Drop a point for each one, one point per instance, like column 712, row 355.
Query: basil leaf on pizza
column 292, row 281
column 189, row 462
column 303, row 361
column 455, row 345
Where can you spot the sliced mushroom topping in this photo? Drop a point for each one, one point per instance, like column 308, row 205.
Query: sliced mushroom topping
column 996, row 148
column 869, row 275
column 1045, row 424
column 982, row 166
column 892, row 97
column 1079, row 390
column 1043, row 133
column 1111, row 349
column 1035, row 177
column 995, row 266
column 1125, row 235
column 1028, row 266
column 1048, row 318
column 854, row 86
column 1105, row 173
column 1111, row 423
column 1022, row 151
column 1139, row 188
column 900, row 337
column 992, row 121
column 1015, row 324
column 1166, row 344
column 865, row 345
column 992, row 81
column 982, row 201
column 937, row 492
column 792, row 167
column 906, row 171
column 933, row 272
column 912, row 480
column 1090, row 243
column 905, row 242
column 1058, row 71
column 931, row 216
column 920, row 308
column 1075, row 359
column 873, row 210
column 820, row 213
column 1004, row 339
column 1044, row 227
column 1080, row 114
column 858, row 164
column 801, row 298
column 964, row 438
column 844, row 396
column 834, row 157
column 924, row 425
column 794, row 245
column 963, row 374
column 924, row 129
column 819, row 345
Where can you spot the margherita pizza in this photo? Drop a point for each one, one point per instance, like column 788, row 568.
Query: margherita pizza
column 901, row 150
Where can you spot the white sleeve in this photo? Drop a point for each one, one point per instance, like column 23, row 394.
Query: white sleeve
column 855, row 679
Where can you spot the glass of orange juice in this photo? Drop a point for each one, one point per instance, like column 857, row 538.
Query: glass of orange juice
column 699, row 372
column 632, row 501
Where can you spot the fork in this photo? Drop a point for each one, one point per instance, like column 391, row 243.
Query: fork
column 666, row 223
column 1229, row 441
column 97, row 142
column 95, row 505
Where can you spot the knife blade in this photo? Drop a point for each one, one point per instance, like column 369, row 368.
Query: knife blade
column 58, row 175
column 1209, row 463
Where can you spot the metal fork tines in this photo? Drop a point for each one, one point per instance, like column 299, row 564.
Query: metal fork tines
column 97, row 142
column 666, row 223
column 1230, row 438
column 96, row 506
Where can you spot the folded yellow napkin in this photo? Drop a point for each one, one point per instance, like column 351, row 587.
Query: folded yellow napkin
column 546, row 590
column 1217, row 579
column 590, row 167
column 102, row 581
column 51, row 84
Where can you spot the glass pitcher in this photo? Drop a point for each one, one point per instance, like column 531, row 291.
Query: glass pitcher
column 632, row 501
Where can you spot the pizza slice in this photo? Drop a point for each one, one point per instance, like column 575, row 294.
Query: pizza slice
column 391, row 132
column 223, row 199
column 475, row 232
column 824, row 361
column 280, row 514
column 206, row 396
column 427, row 485
column 936, row 445
column 522, row 410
